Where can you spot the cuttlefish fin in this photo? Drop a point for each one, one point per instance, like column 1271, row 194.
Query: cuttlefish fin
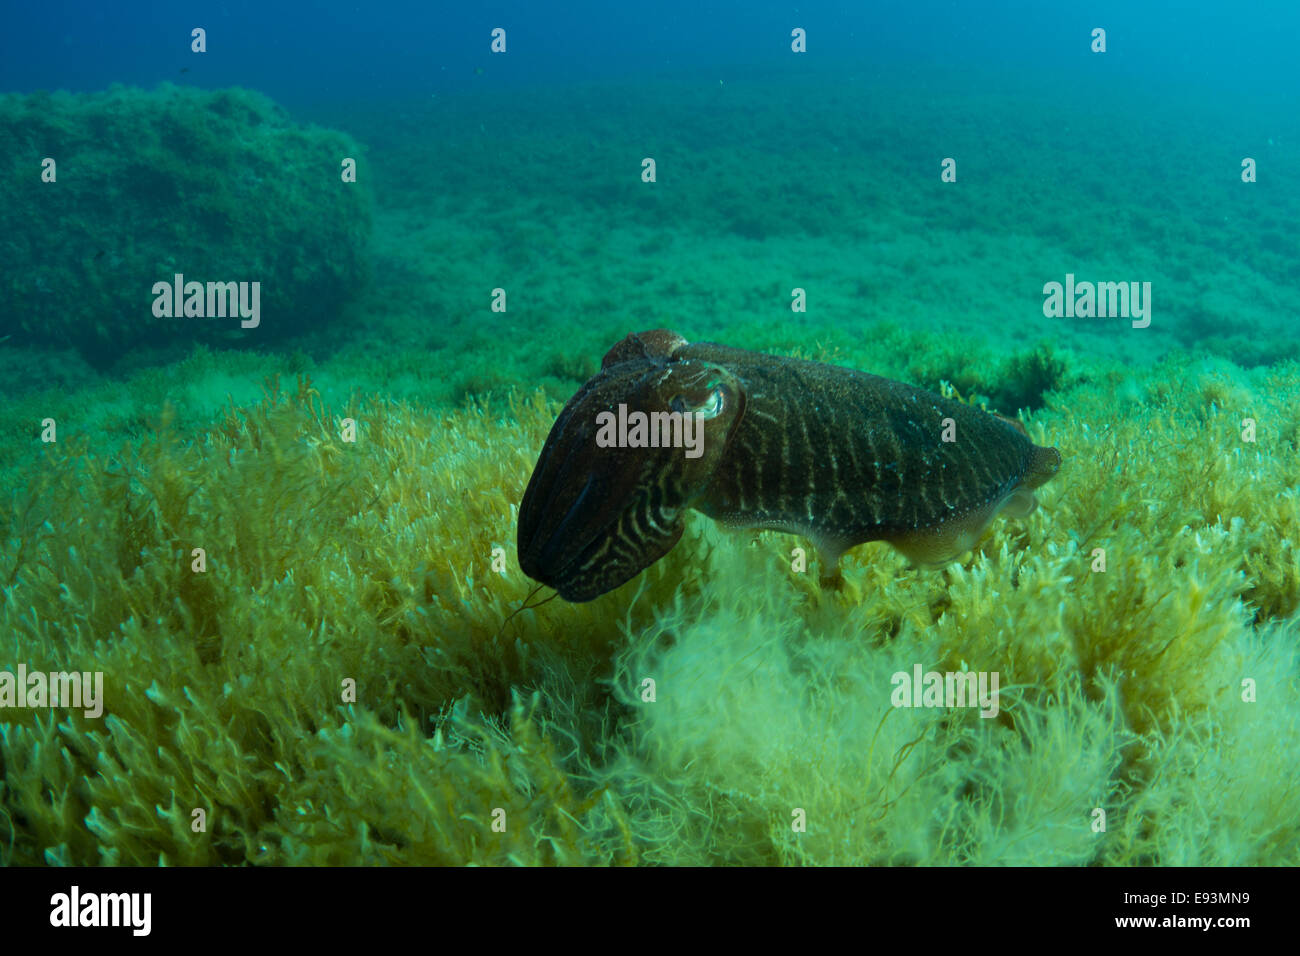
column 938, row 545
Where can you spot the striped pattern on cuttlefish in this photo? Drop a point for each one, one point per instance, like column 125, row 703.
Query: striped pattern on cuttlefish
column 836, row 455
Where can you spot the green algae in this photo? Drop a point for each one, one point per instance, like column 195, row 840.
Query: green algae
column 374, row 561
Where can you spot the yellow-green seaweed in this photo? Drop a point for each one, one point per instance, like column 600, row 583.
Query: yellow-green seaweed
column 373, row 560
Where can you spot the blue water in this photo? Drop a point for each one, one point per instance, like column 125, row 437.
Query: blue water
column 307, row 52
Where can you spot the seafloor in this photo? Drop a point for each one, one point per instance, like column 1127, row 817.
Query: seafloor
column 1163, row 690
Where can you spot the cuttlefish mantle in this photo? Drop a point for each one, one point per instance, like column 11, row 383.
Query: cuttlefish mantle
column 836, row 455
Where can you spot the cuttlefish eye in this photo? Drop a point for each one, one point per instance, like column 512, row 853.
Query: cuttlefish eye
column 710, row 405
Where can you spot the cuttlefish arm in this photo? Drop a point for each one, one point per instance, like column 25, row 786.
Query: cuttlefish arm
column 838, row 456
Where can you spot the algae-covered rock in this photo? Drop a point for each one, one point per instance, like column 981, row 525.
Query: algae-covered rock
column 219, row 187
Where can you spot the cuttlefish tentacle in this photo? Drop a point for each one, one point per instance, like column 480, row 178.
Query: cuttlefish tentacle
column 838, row 456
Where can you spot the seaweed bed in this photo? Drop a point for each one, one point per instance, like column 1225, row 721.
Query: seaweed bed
column 377, row 561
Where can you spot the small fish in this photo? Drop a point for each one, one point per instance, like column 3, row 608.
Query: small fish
column 838, row 456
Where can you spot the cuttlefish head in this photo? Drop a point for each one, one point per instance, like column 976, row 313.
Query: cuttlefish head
column 596, row 513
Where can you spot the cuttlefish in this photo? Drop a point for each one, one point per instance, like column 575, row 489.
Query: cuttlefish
column 838, row 456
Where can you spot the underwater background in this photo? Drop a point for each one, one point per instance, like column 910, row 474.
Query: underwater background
column 340, row 680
